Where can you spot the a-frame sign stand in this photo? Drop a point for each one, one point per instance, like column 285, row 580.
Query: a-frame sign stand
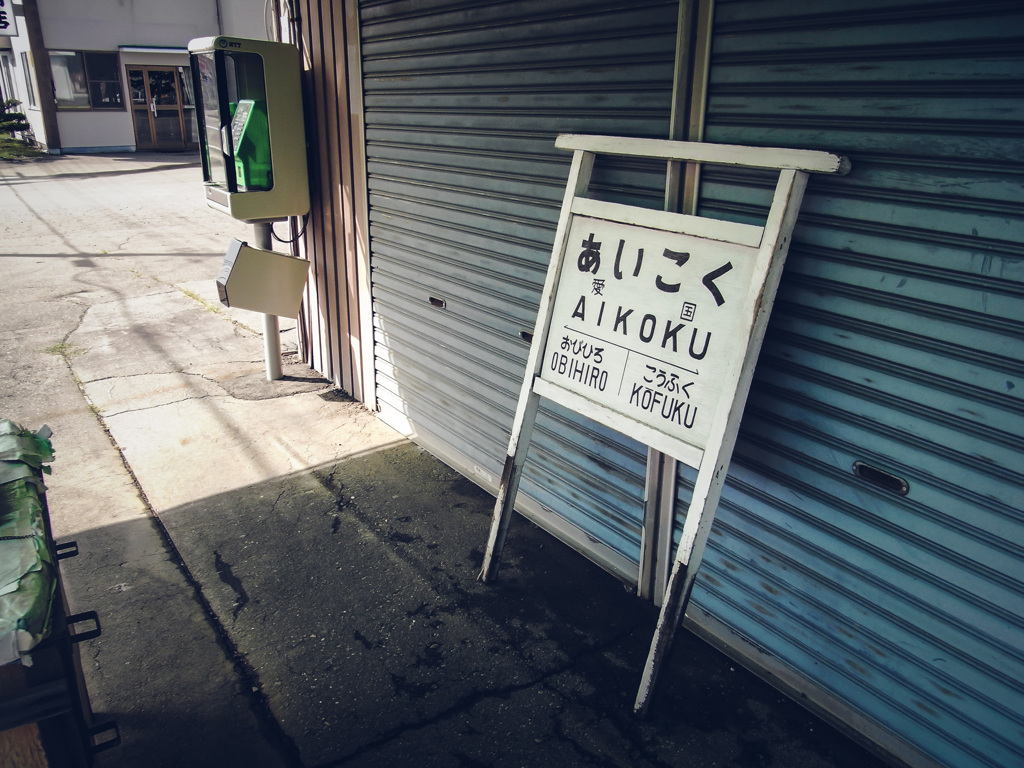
column 651, row 323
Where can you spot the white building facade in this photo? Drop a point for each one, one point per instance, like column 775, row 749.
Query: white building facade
column 112, row 76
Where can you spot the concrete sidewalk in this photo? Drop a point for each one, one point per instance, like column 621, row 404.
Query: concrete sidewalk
column 284, row 581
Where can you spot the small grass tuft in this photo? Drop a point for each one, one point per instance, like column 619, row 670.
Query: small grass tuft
column 199, row 300
column 13, row 149
column 65, row 350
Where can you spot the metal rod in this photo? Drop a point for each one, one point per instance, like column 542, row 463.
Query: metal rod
column 272, row 346
column 271, row 327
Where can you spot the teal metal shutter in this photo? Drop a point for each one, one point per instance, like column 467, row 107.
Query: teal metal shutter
column 895, row 354
column 462, row 106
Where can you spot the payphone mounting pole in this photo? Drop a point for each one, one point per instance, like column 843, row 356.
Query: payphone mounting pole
column 271, row 328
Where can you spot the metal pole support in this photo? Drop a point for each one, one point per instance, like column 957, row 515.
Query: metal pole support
column 271, row 328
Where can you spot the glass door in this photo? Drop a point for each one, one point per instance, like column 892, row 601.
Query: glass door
column 162, row 107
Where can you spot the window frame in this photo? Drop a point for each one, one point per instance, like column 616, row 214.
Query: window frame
column 7, row 67
column 90, row 81
column 30, row 85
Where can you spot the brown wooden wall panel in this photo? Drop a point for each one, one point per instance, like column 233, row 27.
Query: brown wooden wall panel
column 329, row 329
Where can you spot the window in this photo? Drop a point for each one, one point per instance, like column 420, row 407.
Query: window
column 6, row 81
column 28, row 79
column 104, row 81
column 86, row 80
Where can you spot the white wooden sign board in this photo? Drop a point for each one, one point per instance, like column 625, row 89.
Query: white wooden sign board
column 651, row 323
column 645, row 324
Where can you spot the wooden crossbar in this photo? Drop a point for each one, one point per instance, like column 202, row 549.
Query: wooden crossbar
column 810, row 161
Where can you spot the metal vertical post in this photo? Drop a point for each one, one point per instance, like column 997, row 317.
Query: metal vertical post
column 271, row 328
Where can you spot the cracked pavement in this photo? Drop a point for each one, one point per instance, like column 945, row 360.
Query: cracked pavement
column 281, row 579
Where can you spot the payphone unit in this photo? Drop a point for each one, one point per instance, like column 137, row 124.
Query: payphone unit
column 251, row 130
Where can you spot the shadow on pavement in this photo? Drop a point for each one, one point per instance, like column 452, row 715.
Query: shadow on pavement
column 350, row 593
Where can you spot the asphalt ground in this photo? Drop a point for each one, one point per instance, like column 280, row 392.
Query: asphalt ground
column 282, row 580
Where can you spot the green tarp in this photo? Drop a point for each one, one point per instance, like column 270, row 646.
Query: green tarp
column 27, row 570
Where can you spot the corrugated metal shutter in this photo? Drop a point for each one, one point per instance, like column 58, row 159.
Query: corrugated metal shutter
column 897, row 340
column 462, row 105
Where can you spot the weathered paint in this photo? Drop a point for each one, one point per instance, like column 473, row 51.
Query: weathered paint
column 462, row 108
column 896, row 338
column 895, row 342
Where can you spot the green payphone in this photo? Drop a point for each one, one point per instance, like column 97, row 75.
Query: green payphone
column 251, row 128
column 253, row 142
